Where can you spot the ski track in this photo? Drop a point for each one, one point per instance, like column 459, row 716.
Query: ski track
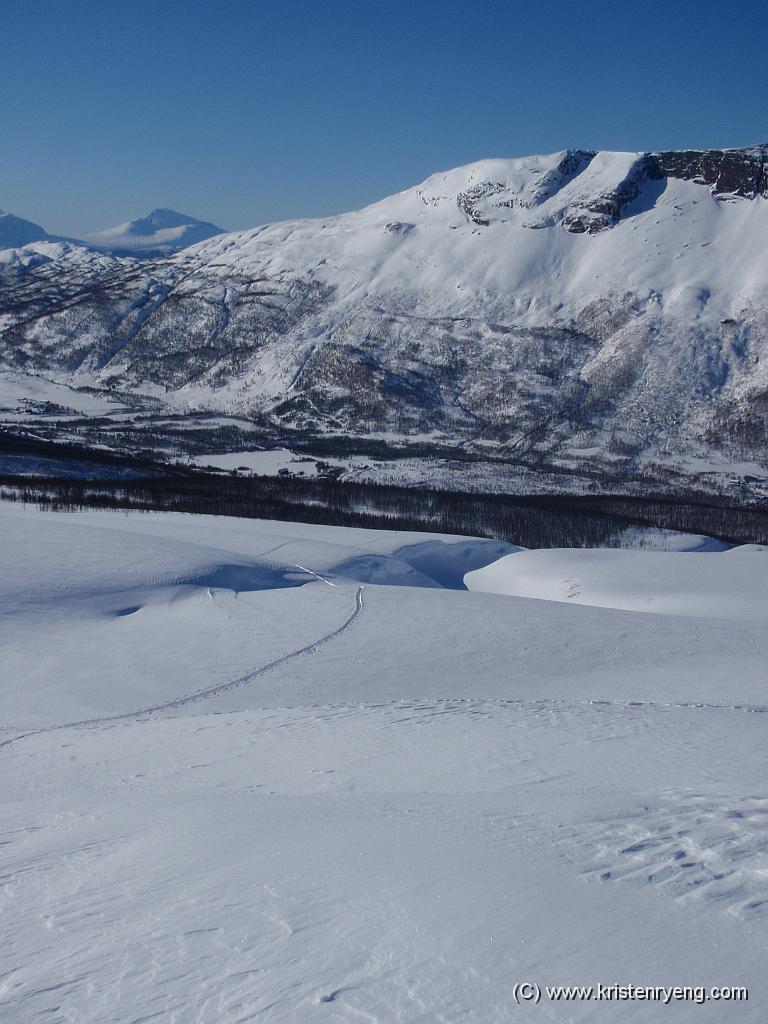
column 415, row 703
column 211, row 691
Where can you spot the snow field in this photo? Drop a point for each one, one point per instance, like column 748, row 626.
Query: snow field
column 430, row 795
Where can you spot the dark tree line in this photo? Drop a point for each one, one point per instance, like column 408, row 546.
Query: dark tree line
column 540, row 521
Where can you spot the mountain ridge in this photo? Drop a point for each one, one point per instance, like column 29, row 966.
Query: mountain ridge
column 17, row 231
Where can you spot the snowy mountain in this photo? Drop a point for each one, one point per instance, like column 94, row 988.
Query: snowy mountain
column 583, row 312
column 15, row 231
column 162, row 231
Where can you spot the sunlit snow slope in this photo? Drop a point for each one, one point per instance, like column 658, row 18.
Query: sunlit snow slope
column 263, row 771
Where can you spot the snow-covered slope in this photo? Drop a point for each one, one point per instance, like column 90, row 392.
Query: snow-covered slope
column 239, row 783
column 164, row 231
column 15, row 231
column 598, row 312
column 667, row 583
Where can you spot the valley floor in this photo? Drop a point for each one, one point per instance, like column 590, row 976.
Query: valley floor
column 257, row 771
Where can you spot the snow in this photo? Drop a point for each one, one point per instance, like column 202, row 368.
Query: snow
column 19, row 389
column 701, row 257
column 16, row 231
column 668, row 583
column 269, row 462
column 652, row 538
column 162, row 230
column 292, row 773
column 68, row 257
column 464, row 290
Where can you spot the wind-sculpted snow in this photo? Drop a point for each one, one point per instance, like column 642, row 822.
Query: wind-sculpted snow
column 237, row 784
column 666, row 583
column 597, row 312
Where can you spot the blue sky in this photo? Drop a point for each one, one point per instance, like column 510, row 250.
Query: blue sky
column 244, row 112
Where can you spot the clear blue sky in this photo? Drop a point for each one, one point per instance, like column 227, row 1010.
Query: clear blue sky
column 245, row 111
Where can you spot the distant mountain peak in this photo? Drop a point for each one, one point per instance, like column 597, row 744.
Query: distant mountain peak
column 163, row 218
column 16, row 231
column 163, row 230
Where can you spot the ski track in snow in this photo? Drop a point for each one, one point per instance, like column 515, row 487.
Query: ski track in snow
column 215, row 691
column 211, row 691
